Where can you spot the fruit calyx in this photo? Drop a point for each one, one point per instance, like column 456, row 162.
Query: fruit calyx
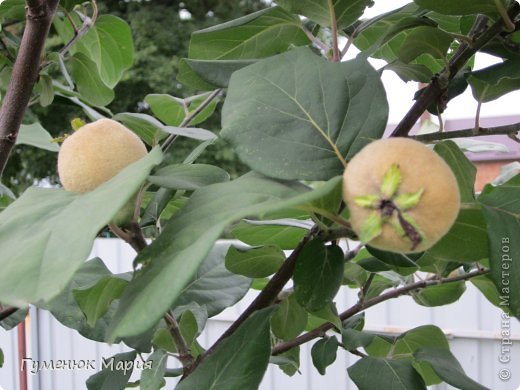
column 390, row 207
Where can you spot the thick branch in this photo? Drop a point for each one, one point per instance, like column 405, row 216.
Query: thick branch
column 39, row 17
column 360, row 306
column 438, row 87
column 479, row 132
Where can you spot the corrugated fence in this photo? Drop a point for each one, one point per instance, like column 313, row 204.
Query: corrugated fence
column 472, row 325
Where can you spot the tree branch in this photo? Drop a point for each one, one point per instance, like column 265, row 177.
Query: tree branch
column 439, row 84
column 360, row 306
column 478, row 132
column 85, row 27
column 187, row 120
column 184, row 351
column 266, row 297
column 39, row 15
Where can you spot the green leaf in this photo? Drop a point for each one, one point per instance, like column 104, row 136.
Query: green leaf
column 462, row 7
column 286, row 115
column 36, row 135
column 391, row 181
column 465, row 172
column 407, row 343
column 43, row 266
column 65, row 308
column 258, row 262
column 323, row 353
column 45, row 89
column 213, row 286
column 379, row 284
column 149, row 129
column 216, row 72
column 289, row 361
column 116, row 373
column 328, row 314
column 12, row 9
column 285, row 237
column 396, row 261
column 109, row 44
column 495, row 81
column 171, row 109
column 376, row 373
column 318, row 274
column 239, row 362
column 442, row 294
column 163, row 339
column 95, row 301
column 258, row 35
column 372, row 227
column 86, row 77
column 410, row 72
column 346, row 11
column 190, row 234
column 353, row 339
column 289, row 320
column 466, row 241
column 501, row 206
column 153, row 378
column 167, row 108
column 1, row 358
column 425, row 40
column 188, row 176
column 447, row 368
column 487, row 287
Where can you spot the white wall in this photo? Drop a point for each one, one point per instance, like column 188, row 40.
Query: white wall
column 471, row 324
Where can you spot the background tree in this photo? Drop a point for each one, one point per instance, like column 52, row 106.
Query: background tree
column 161, row 38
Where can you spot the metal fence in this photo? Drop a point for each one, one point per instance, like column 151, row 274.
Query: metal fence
column 472, row 325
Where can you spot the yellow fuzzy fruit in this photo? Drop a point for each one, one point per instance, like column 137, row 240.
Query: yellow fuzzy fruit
column 95, row 153
column 422, row 176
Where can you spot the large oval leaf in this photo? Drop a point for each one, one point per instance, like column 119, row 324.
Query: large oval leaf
column 320, row 11
column 239, row 362
column 188, row 237
column 109, row 44
column 53, row 231
column 290, row 116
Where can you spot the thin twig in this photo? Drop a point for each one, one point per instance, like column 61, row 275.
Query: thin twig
column 364, row 290
column 131, row 234
column 480, row 132
column 480, row 36
column 85, row 28
column 187, row 120
column 182, row 347
column 359, row 307
column 316, row 41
